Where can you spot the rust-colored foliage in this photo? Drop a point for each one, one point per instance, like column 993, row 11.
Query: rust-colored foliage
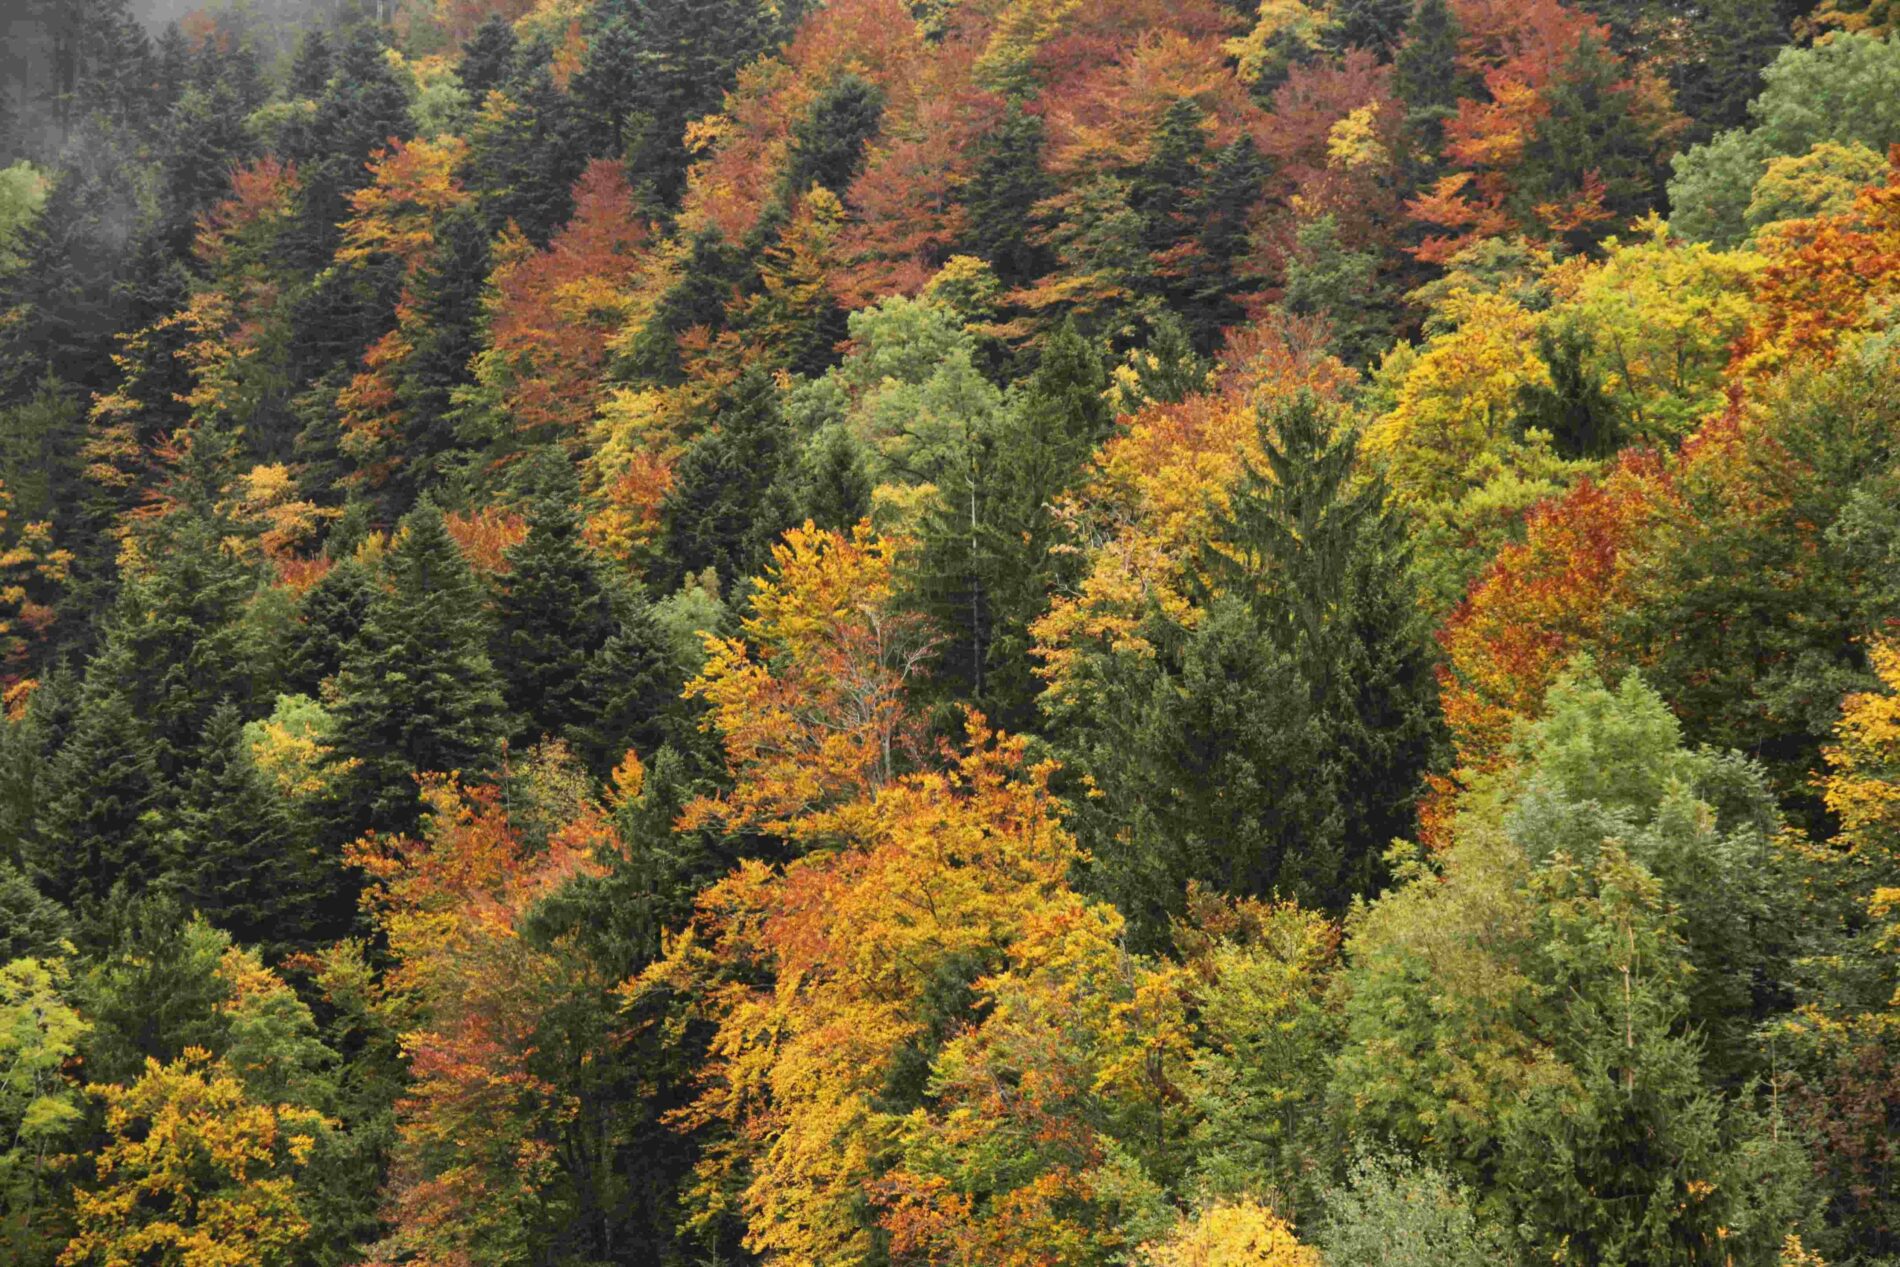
column 554, row 312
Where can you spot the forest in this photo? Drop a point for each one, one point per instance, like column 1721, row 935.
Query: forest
column 950, row 633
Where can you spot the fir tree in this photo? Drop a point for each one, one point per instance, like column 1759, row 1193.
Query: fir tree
column 727, row 504
column 100, row 823
column 554, row 613
column 489, row 59
column 232, row 848
column 630, row 687
column 1426, row 74
column 828, row 143
column 416, row 692
column 1003, row 191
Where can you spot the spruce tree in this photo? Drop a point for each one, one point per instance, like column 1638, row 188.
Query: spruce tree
column 1426, row 74
column 828, row 143
column 999, row 201
column 1378, row 26
column 416, row 692
column 728, row 503
column 1308, row 658
column 987, row 568
column 554, row 612
column 630, row 687
column 99, row 824
column 489, row 59
column 233, row 849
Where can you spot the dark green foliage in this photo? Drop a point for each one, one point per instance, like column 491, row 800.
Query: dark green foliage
column 830, row 485
column 153, row 989
column 31, row 924
column 828, row 143
column 1309, row 657
column 331, row 615
column 710, row 277
column 362, row 108
column 1378, row 26
column 100, row 795
column 524, row 159
column 987, row 570
column 448, row 296
column 629, row 688
column 1580, row 416
column 685, row 55
column 1591, row 135
column 554, row 613
column 1325, row 279
column 416, row 692
column 311, row 66
column 728, row 504
column 1007, row 184
column 234, row 854
column 1426, row 74
column 488, row 59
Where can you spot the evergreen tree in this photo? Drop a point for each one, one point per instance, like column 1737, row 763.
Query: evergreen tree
column 1591, row 134
column 1378, row 26
column 489, row 59
column 1001, row 197
column 1324, row 279
column 233, row 850
column 1426, row 75
column 100, row 823
column 416, row 692
column 525, row 156
column 1309, row 658
column 362, row 107
column 688, row 55
column 330, row 614
column 630, row 687
column 728, row 503
column 448, row 296
column 31, row 924
column 311, row 66
column 554, row 613
column 987, row 568
column 828, row 143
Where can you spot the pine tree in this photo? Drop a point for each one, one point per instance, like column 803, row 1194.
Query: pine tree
column 30, row 922
column 525, row 155
column 330, row 616
column 554, row 613
column 1591, row 134
column 1325, row 279
column 416, row 692
column 362, row 107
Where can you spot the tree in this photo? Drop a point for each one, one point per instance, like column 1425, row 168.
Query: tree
column 554, row 613
column 416, row 692
column 810, row 703
column 194, row 1171
column 1304, row 653
column 40, row 1108
column 724, row 507
column 234, row 849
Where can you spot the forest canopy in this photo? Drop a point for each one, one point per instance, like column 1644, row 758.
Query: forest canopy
column 957, row 633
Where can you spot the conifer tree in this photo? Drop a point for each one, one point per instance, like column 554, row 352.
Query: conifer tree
column 1426, row 74
column 488, row 59
column 99, row 825
column 554, row 612
column 728, row 503
column 1003, row 191
column 1309, row 657
column 417, row 692
column 233, row 849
